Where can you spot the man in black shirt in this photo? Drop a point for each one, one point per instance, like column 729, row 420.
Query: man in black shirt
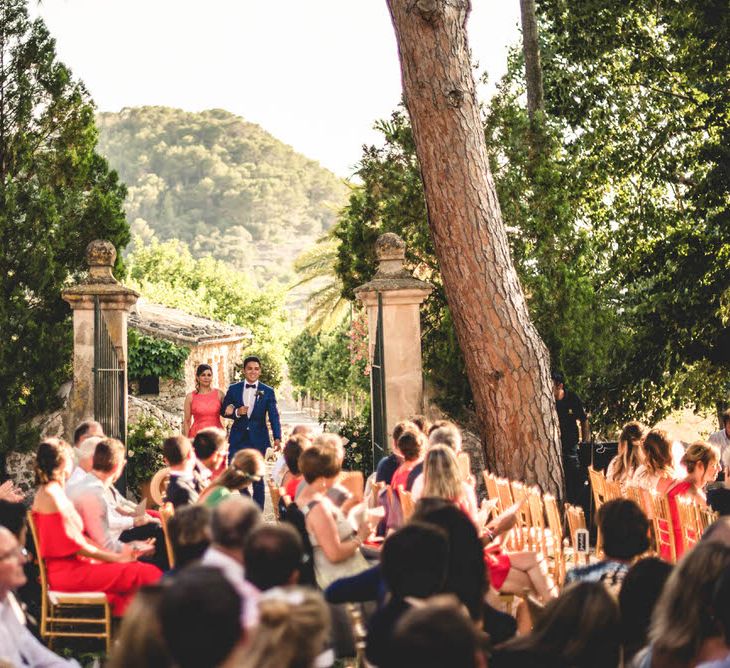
column 570, row 414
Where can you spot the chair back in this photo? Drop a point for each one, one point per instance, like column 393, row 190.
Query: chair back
column 576, row 520
column 552, row 512
column 504, row 493
column 490, row 482
column 375, row 492
column 705, row 516
column 688, row 521
column 612, row 490
column 663, row 527
column 275, row 495
column 167, row 511
column 407, row 503
column 598, row 487
column 353, row 482
column 41, row 560
column 554, row 537
column 158, row 485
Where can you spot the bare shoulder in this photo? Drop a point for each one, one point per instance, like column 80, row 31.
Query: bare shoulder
column 46, row 501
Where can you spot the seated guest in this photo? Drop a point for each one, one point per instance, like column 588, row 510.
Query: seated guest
column 580, row 628
column 413, row 563
column 335, row 545
column 446, row 434
column 184, row 487
column 656, row 473
column 683, row 633
column 639, row 594
column 272, row 555
column 211, row 452
column 625, row 531
column 199, row 615
column 91, row 498
column 293, row 477
column 279, row 470
column 436, row 636
column 294, row 625
column 702, row 462
column 442, row 480
column 84, row 458
column 622, row 467
column 67, row 552
column 388, row 465
column 246, row 468
column 411, row 445
column 140, row 643
column 18, row 646
column 231, row 522
column 189, row 530
column 721, row 439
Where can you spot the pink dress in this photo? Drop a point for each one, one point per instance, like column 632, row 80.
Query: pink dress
column 206, row 412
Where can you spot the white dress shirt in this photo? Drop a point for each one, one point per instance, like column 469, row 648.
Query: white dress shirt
column 19, row 647
column 721, row 441
column 233, row 571
column 77, row 475
column 89, row 499
column 249, row 395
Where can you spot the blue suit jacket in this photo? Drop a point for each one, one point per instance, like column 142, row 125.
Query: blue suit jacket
column 252, row 431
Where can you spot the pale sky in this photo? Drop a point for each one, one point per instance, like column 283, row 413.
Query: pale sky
column 314, row 73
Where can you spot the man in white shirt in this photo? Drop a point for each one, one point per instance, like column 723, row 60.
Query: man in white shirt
column 18, row 646
column 84, row 459
column 721, row 439
column 91, row 495
column 233, row 519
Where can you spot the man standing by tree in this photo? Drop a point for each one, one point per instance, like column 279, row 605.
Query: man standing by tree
column 570, row 413
column 248, row 403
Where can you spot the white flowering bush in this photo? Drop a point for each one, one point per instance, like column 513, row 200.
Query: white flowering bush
column 144, row 451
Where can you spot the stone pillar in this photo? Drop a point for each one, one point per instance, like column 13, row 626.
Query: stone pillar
column 115, row 301
column 402, row 295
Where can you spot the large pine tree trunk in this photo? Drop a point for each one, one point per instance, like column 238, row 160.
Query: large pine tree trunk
column 507, row 362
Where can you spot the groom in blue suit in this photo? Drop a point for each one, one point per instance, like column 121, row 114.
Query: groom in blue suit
column 248, row 403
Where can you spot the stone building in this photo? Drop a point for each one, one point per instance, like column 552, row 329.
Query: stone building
column 210, row 342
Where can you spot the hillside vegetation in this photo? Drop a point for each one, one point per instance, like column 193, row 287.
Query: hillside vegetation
column 222, row 185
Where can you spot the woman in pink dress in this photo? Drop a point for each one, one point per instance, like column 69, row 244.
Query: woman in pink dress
column 73, row 562
column 203, row 406
column 702, row 462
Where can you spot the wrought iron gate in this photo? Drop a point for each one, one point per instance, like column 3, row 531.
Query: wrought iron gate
column 377, row 391
column 110, row 405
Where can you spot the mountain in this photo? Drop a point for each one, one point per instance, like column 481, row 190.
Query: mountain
column 224, row 186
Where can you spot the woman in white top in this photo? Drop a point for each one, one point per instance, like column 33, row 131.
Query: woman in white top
column 657, row 472
column 623, row 466
column 336, row 545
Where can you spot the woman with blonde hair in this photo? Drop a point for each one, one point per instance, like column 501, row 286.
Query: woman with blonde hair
column 622, row 467
column 442, row 479
column 683, row 632
column 246, row 468
column 702, row 462
column 294, row 626
column 656, row 473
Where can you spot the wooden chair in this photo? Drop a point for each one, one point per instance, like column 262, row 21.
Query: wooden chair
column 576, row 520
column 353, row 482
column 705, row 516
column 490, row 482
column 359, row 634
column 167, row 511
column 158, row 486
column 663, row 527
column 375, row 491
column 688, row 522
column 612, row 490
column 537, row 530
column 598, row 487
column 275, row 495
column 407, row 504
column 554, row 543
column 60, row 610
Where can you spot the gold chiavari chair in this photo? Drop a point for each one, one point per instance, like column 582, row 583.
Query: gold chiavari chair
column 554, row 543
column 612, row 490
column 407, row 503
column 705, row 516
column 576, row 520
column 688, row 522
column 663, row 527
column 490, row 482
column 538, row 530
column 524, row 521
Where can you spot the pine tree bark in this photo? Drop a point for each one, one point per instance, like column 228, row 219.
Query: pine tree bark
column 507, row 362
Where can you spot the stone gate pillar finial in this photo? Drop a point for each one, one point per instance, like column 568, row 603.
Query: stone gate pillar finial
column 101, row 256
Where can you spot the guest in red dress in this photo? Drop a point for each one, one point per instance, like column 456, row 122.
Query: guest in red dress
column 702, row 462
column 203, row 406
column 411, row 445
column 73, row 562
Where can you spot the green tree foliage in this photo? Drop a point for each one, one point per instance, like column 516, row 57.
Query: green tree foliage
column 149, row 356
column 617, row 214
column 56, row 195
column 167, row 273
column 218, row 183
